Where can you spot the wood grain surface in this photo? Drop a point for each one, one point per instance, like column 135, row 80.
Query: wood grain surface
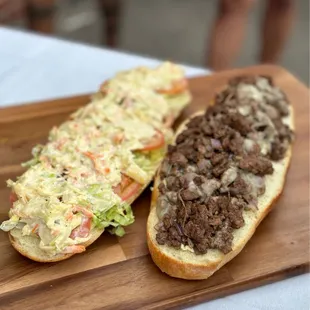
column 118, row 273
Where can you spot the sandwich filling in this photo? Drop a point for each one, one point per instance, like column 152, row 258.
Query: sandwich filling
column 216, row 169
column 96, row 163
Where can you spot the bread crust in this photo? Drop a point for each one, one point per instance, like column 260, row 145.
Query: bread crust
column 182, row 264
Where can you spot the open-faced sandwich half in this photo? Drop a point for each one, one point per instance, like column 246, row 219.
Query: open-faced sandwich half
column 95, row 164
column 220, row 178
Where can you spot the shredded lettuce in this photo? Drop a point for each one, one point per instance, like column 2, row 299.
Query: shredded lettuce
column 117, row 216
column 118, row 231
column 95, row 190
column 36, row 151
column 148, row 161
column 10, row 224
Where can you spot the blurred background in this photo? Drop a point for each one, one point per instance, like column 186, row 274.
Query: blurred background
column 177, row 30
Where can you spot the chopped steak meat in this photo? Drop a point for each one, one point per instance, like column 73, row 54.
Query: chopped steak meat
column 173, row 183
column 162, row 188
column 215, row 171
column 233, row 144
column 204, row 166
column 256, row 164
column 179, row 159
column 239, row 123
column 219, row 158
column 219, row 170
column 278, row 150
column 239, row 187
column 190, row 193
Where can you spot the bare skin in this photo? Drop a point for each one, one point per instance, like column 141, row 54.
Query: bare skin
column 229, row 29
column 277, row 26
column 38, row 14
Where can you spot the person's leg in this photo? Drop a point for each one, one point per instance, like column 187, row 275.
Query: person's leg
column 277, row 25
column 111, row 10
column 11, row 10
column 40, row 15
column 228, row 32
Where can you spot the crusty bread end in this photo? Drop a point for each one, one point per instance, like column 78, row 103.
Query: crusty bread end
column 29, row 245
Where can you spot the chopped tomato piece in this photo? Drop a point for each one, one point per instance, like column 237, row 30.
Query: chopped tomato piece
column 69, row 216
column 117, row 189
column 13, row 198
column 125, row 181
column 90, row 155
column 45, row 161
column 82, row 231
column 76, row 209
column 130, row 191
column 86, row 212
column 118, row 138
column 156, row 142
column 107, row 170
column 177, row 87
column 60, row 144
column 127, row 188
column 93, row 157
column 74, row 249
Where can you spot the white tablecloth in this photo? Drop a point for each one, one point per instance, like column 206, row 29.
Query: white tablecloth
column 34, row 68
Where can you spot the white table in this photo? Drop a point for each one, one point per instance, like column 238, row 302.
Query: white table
column 34, row 68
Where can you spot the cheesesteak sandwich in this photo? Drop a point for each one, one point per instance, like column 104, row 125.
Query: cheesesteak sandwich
column 220, row 178
column 95, row 165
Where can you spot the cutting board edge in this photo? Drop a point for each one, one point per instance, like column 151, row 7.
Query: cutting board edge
column 220, row 291
column 204, row 295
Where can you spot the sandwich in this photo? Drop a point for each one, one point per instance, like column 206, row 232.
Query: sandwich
column 220, row 177
column 94, row 165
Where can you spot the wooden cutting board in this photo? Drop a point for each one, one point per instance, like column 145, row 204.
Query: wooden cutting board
column 118, row 273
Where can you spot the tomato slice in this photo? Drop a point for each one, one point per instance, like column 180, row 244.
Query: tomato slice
column 130, row 191
column 74, row 249
column 82, row 231
column 157, row 141
column 127, row 188
column 125, row 181
column 177, row 87
column 13, row 198
column 86, row 212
